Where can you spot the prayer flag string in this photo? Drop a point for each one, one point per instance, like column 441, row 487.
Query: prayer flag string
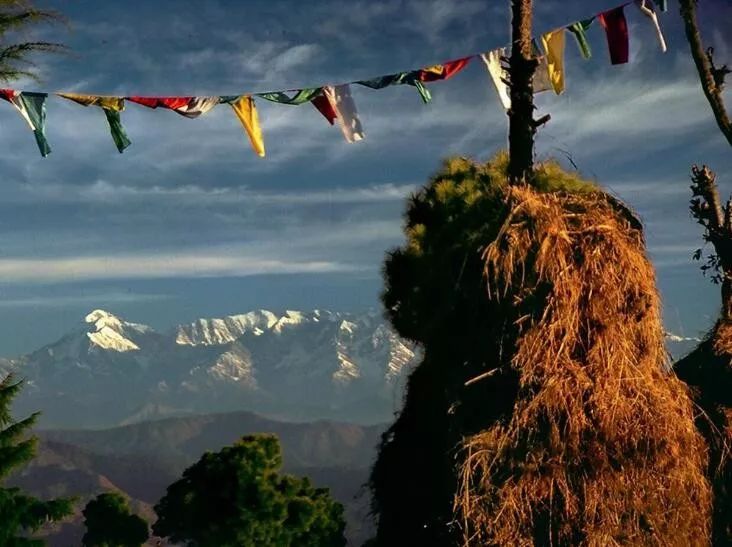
column 335, row 101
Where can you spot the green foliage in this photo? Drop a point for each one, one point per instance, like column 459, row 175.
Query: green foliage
column 17, row 16
column 435, row 295
column 236, row 498
column 109, row 523
column 20, row 514
column 447, row 222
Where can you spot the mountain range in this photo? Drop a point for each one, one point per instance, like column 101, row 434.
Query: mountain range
column 293, row 366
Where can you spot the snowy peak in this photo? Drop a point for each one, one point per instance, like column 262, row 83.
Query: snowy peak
column 219, row 331
column 214, row 332
column 109, row 332
column 101, row 316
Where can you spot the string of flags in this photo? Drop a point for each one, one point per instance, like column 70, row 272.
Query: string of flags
column 336, row 102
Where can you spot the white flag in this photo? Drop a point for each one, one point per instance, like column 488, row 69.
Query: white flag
column 651, row 14
column 344, row 106
column 498, row 74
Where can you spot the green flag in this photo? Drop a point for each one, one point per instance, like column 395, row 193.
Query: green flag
column 579, row 30
column 119, row 135
column 33, row 107
column 400, row 78
column 300, row 97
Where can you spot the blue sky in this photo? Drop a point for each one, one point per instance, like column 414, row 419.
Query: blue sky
column 189, row 222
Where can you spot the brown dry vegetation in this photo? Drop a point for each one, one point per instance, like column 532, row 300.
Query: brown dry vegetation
column 600, row 448
column 544, row 411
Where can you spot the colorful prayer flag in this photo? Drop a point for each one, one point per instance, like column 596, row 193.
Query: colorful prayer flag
column 444, row 71
column 554, row 47
column 343, row 105
column 32, row 106
column 579, row 30
column 300, row 96
column 498, row 74
column 663, row 4
column 541, row 81
column 112, row 103
column 409, row 78
column 112, row 106
column 616, row 30
column 190, row 107
column 325, row 107
column 246, row 111
column 648, row 11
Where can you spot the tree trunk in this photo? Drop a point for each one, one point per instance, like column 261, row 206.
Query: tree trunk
column 521, row 115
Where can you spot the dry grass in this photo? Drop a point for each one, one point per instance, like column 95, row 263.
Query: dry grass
column 600, row 448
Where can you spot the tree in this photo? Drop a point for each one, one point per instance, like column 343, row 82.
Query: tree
column 109, row 523
column 20, row 514
column 505, row 340
column 706, row 205
column 708, row 369
column 15, row 58
column 236, row 498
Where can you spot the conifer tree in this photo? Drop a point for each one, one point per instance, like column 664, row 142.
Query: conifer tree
column 110, row 523
column 20, row 514
column 237, row 498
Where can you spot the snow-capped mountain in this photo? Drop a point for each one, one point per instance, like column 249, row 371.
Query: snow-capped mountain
column 296, row 365
column 679, row 346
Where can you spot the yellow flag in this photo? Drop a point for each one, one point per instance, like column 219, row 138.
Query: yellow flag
column 110, row 103
column 553, row 43
column 246, row 111
column 436, row 69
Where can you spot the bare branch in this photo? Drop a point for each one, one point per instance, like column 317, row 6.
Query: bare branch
column 707, row 209
column 711, row 77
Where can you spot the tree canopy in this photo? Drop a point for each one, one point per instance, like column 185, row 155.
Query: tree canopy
column 237, row 498
column 110, row 523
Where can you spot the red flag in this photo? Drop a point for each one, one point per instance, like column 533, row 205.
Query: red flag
column 325, row 107
column 8, row 94
column 443, row 71
column 616, row 30
column 166, row 102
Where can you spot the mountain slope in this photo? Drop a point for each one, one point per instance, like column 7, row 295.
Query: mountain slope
column 141, row 460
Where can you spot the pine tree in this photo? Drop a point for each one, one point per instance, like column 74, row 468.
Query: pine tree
column 20, row 514
column 17, row 16
column 237, row 498
column 109, row 523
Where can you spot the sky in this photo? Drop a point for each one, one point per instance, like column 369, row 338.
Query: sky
column 190, row 223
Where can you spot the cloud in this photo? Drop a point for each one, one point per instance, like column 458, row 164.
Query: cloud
column 106, row 192
column 203, row 264
column 94, row 299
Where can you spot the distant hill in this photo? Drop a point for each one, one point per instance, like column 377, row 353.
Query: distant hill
column 142, row 459
column 292, row 366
